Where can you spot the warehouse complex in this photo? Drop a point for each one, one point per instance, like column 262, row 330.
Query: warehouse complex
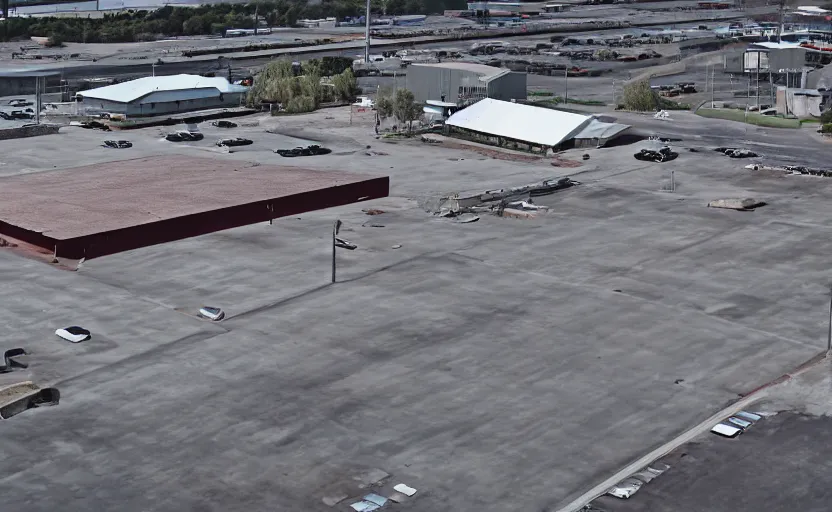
column 158, row 95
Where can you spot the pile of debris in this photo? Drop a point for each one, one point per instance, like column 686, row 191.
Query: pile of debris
column 511, row 202
column 736, row 152
column 662, row 154
column 118, row 144
column 312, row 150
column 792, row 169
column 743, row 204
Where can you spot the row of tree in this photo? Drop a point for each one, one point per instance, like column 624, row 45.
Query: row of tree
column 207, row 19
column 302, row 89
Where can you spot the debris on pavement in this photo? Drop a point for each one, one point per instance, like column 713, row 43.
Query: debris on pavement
column 10, row 363
column 118, row 144
column 625, row 488
column 466, row 218
column 404, row 489
column 526, row 205
column 373, row 211
column 74, row 334
column 663, row 154
column 516, row 200
column 312, row 150
column 745, row 204
column 792, row 170
column 736, row 152
column 331, row 501
column 375, row 498
column 397, row 497
column 364, row 506
column 214, row 314
column 345, row 244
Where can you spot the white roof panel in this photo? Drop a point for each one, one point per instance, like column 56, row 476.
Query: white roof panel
column 516, row 121
column 126, row 92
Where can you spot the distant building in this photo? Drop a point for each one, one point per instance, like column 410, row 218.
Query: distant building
column 160, row 95
column 463, row 83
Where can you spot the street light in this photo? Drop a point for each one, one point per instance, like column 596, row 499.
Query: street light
column 339, row 242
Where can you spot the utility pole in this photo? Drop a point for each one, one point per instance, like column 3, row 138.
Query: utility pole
column 758, row 80
column 613, row 94
column 829, row 332
column 367, row 36
column 335, row 228
column 713, row 69
column 255, row 18
column 566, row 86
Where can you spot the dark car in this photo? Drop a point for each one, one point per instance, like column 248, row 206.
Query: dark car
column 239, row 141
column 224, row 124
column 184, row 136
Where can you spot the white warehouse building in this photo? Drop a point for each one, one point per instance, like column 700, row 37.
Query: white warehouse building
column 160, row 95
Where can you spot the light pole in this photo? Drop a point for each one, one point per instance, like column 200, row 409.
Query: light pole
column 566, row 86
column 829, row 332
column 613, row 94
column 335, row 229
column 367, row 36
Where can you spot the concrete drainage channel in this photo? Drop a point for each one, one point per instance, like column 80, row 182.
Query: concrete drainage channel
column 22, row 396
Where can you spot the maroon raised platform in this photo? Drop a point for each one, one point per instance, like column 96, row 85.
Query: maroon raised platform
column 101, row 209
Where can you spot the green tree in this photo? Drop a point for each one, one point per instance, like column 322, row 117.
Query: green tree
column 193, row 26
column 346, row 85
column 405, row 108
column 384, row 104
column 639, row 97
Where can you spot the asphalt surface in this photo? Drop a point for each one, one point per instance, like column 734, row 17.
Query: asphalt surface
column 500, row 365
column 781, row 463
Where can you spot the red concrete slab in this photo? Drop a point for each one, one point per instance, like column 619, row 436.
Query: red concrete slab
column 116, row 206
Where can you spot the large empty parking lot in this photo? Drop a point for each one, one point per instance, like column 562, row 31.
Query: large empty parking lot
column 505, row 364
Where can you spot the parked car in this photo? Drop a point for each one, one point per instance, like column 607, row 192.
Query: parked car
column 184, row 136
column 239, row 141
column 224, row 124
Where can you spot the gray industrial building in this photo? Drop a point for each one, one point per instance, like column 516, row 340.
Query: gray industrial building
column 464, row 83
column 161, row 95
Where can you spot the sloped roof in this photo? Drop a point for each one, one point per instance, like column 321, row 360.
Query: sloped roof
column 126, row 92
column 481, row 69
column 600, row 130
column 526, row 123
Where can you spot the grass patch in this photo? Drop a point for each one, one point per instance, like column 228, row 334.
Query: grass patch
column 753, row 118
column 575, row 101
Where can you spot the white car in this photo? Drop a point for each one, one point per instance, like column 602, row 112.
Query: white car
column 74, row 334
column 364, row 101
